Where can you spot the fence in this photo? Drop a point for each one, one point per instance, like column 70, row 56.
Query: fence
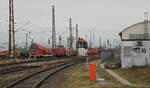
column 112, row 55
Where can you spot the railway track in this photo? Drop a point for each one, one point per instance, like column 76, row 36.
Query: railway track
column 11, row 69
column 36, row 79
column 25, row 62
column 20, row 68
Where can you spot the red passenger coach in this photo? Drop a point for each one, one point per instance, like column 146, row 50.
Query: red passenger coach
column 58, row 51
column 3, row 53
column 62, row 51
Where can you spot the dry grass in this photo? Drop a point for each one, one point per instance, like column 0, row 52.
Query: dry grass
column 4, row 61
column 78, row 77
column 13, row 76
column 140, row 75
column 10, row 78
column 106, row 75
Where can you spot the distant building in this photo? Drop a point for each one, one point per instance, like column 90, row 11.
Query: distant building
column 81, row 47
column 135, row 45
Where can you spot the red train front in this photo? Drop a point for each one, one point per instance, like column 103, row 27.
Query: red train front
column 39, row 50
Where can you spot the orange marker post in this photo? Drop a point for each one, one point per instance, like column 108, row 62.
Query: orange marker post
column 92, row 71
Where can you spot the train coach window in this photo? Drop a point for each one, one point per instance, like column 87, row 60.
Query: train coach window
column 34, row 49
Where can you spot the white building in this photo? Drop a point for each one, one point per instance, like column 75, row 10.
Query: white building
column 81, row 47
column 135, row 46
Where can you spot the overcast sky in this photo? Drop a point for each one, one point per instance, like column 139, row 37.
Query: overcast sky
column 106, row 17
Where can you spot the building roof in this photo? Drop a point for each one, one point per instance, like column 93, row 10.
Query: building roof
column 131, row 26
column 81, row 40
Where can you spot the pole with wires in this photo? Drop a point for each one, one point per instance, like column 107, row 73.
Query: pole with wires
column 76, row 38
column 53, row 28
column 100, row 47
column 70, row 36
column 11, row 30
column 26, row 41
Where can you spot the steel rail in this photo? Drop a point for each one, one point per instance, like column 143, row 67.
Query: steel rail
column 38, row 84
column 13, row 84
column 11, row 70
column 24, row 62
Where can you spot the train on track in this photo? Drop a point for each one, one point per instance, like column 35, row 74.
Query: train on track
column 36, row 50
column 41, row 51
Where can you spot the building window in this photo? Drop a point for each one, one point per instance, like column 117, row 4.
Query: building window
column 135, row 36
column 127, row 51
column 139, row 43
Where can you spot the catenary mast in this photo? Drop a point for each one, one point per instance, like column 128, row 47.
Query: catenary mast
column 11, row 29
column 53, row 28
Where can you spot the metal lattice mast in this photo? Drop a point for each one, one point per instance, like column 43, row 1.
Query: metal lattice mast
column 26, row 40
column 90, row 39
column 76, row 32
column 60, row 40
column 11, row 29
column 10, row 1
column 76, row 37
column 53, row 28
column 70, row 36
column 100, row 48
column 146, row 32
